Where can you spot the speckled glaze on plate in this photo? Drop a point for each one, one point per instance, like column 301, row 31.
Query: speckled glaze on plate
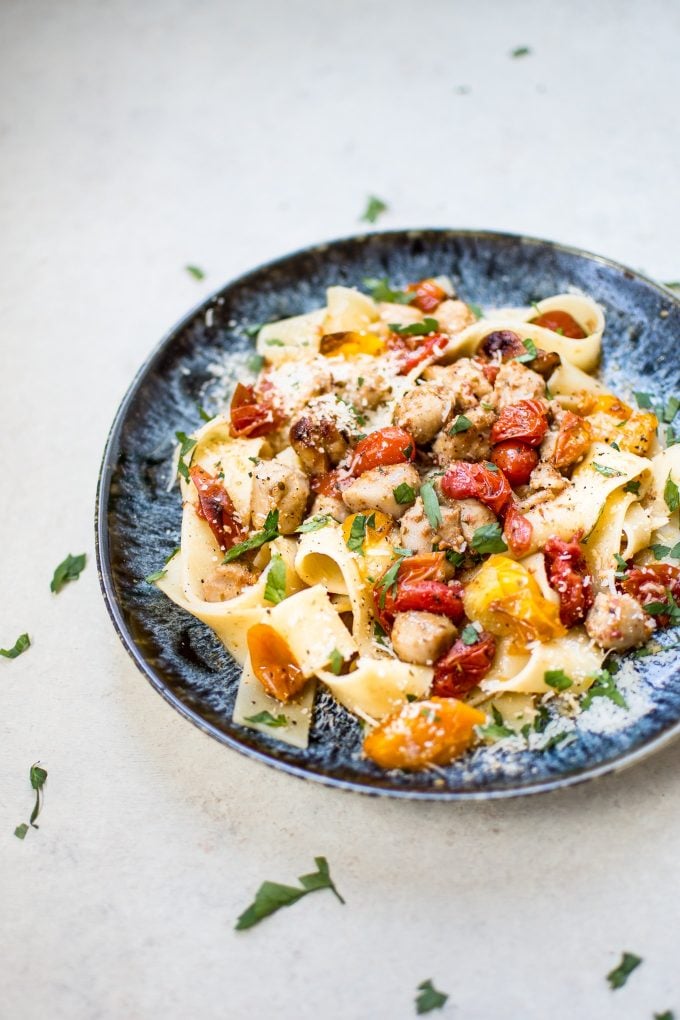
column 138, row 519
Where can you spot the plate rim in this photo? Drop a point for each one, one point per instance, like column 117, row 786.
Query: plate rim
column 105, row 571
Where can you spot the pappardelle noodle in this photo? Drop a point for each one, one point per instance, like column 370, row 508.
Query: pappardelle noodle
column 438, row 513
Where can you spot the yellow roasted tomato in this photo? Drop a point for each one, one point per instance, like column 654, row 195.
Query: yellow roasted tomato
column 507, row 601
column 422, row 733
column 350, row 344
column 612, row 421
column 378, row 552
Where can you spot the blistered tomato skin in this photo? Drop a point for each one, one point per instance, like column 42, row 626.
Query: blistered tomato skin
column 273, row 663
column 464, row 480
column 423, row 733
column 560, row 322
column 216, row 508
column 419, row 587
column 516, row 460
column 574, row 439
column 518, row 532
column 411, row 351
column 390, row 445
column 525, row 421
column 428, row 294
column 567, row 573
column 652, row 583
column 254, row 412
column 463, row 666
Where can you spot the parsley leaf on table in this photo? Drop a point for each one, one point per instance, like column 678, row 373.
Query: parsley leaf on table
column 19, row 646
column 69, row 569
column 429, row 998
column 618, row 977
column 374, row 208
column 271, row 896
column 196, row 272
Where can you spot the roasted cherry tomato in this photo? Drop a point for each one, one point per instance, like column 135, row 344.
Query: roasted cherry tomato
column 526, row 420
column 503, row 342
column 413, row 350
column 254, row 412
column 567, row 573
column 490, row 370
column 350, row 344
column 463, row 666
column 390, row 445
column 488, row 485
column 518, row 531
column 216, row 508
column 420, row 585
column 560, row 322
column 574, row 439
column 331, row 483
column 423, row 733
column 516, row 460
column 428, row 294
column 273, row 663
column 652, row 583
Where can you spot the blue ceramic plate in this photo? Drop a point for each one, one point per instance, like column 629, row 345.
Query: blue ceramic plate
column 138, row 519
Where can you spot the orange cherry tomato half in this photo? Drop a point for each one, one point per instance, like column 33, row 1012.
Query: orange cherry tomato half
column 273, row 663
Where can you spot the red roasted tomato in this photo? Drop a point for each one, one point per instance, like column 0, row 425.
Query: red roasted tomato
column 390, row 445
column 560, row 322
column 490, row 486
column 254, row 412
column 526, row 420
column 652, row 583
column 566, row 569
column 419, row 586
column 428, row 294
column 215, row 507
column 412, row 350
column 463, row 666
column 516, row 460
column 518, row 531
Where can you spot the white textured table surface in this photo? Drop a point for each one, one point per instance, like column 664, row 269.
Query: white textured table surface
column 136, row 137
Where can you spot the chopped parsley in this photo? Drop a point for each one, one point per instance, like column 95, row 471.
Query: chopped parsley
column 161, row 573
column 314, row 523
column 69, row 569
column 671, row 438
column 603, row 687
column 389, row 578
column 644, row 400
column 633, row 487
column 668, row 608
column 380, row 290
column 269, row 532
column 497, row 729
column 274, row 342
column 488, row 539
column 557, row 679
column 335, row 661
column 205, row 416
column 520, row 51
column 253, row 329
column 37, row 776
column 275, row 588
column 671, row 494
column 431, row 505
column 186, row 445
column 476, row 310
column 454, row 558
column 428, row 325
column 622, row 565
column 671, row 408
column 265, row 718
column 196, row 272
column 429, row 998
column 19, row 646
column 357, row 534
column 404, row 493
column 271, row 896
column 618, row 977
column 604, row 469
column 469, row 635
column 461, row 424
column 531, row 352
column 255, row 363
column 374, row 208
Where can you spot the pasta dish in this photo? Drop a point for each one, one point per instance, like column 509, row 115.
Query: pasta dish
column 436, row 512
